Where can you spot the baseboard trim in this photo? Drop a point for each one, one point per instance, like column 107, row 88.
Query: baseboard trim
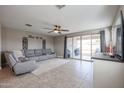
column 59, row 56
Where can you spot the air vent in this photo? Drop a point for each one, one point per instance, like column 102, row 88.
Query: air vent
column 60, row 6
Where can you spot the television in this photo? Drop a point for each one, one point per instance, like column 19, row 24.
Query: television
column 119, row 34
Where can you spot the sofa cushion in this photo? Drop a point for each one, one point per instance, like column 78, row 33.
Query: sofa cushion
column 38, row 52
column 53, row 53
column 34, row 58
column 23, row 59
column 49, row 51
column 29, row 53
column 43, row 51
column 51, row 56
column 40, row 58
column 17, row 54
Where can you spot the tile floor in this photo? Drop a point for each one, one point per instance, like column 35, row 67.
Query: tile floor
column 73, row 74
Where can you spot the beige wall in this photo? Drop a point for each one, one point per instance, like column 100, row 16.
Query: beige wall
column 59, row 45
column 0, row 46
column 12, row 39
column 34, row 43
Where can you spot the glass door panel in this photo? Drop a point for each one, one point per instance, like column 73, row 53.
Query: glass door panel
column 76, row 47
column 69, row 48
column 86, row 47
column 95, row 44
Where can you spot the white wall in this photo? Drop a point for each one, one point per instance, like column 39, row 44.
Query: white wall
column 107, row 36
column 114, row 22
column 0, row 46
column 12, row 39
column 59, row 45
column 107, row 74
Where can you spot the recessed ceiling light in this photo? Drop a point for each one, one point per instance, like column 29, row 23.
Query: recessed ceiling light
column 60, row 6
column 29, row 25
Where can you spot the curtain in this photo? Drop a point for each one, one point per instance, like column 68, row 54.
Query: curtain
column 119, row 43
column 65, row 46
column 102, row 39
column 44, row 44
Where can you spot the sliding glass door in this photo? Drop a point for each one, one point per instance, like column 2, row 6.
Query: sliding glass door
column 69, row 48
column 86, row 47
column 76, row 47
column 83, row 47
column 96, row 44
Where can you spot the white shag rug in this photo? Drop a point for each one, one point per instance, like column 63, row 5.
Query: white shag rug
column 49, row 64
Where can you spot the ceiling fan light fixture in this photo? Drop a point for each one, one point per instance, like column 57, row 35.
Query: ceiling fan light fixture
column 56, row 31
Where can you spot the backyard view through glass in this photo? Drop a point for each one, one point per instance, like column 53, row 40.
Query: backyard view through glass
column 83, row 47
column 76, row 47
column 86, row 47
column 69, row 48
column 95, row 44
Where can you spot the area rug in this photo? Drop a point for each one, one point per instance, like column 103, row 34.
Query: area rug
column 49, row 64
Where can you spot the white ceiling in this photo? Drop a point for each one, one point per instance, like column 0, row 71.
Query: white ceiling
column 76, row 18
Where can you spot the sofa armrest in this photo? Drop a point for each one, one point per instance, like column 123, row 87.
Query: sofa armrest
column 24, row 67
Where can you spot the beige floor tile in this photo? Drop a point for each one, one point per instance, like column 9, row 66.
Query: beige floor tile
column 73, row 74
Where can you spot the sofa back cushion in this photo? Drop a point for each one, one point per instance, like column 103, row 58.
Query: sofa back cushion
column 49, row 51
column 17, row 54
column 38, row 52
column 23, row 59
column 29, row 53
column 43, row 51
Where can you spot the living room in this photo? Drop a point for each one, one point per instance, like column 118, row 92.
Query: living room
column 61, row 46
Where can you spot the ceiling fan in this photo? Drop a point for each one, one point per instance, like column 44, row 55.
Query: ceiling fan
column 57, row 29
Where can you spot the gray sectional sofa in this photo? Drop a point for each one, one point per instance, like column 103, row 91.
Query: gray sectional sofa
column 25, row 61
column 39, row 54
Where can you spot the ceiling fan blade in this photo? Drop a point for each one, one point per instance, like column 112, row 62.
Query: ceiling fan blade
column 48, row 28
column 55, row 25
column 50, row 31
column 65, row 30
column 59, row 27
